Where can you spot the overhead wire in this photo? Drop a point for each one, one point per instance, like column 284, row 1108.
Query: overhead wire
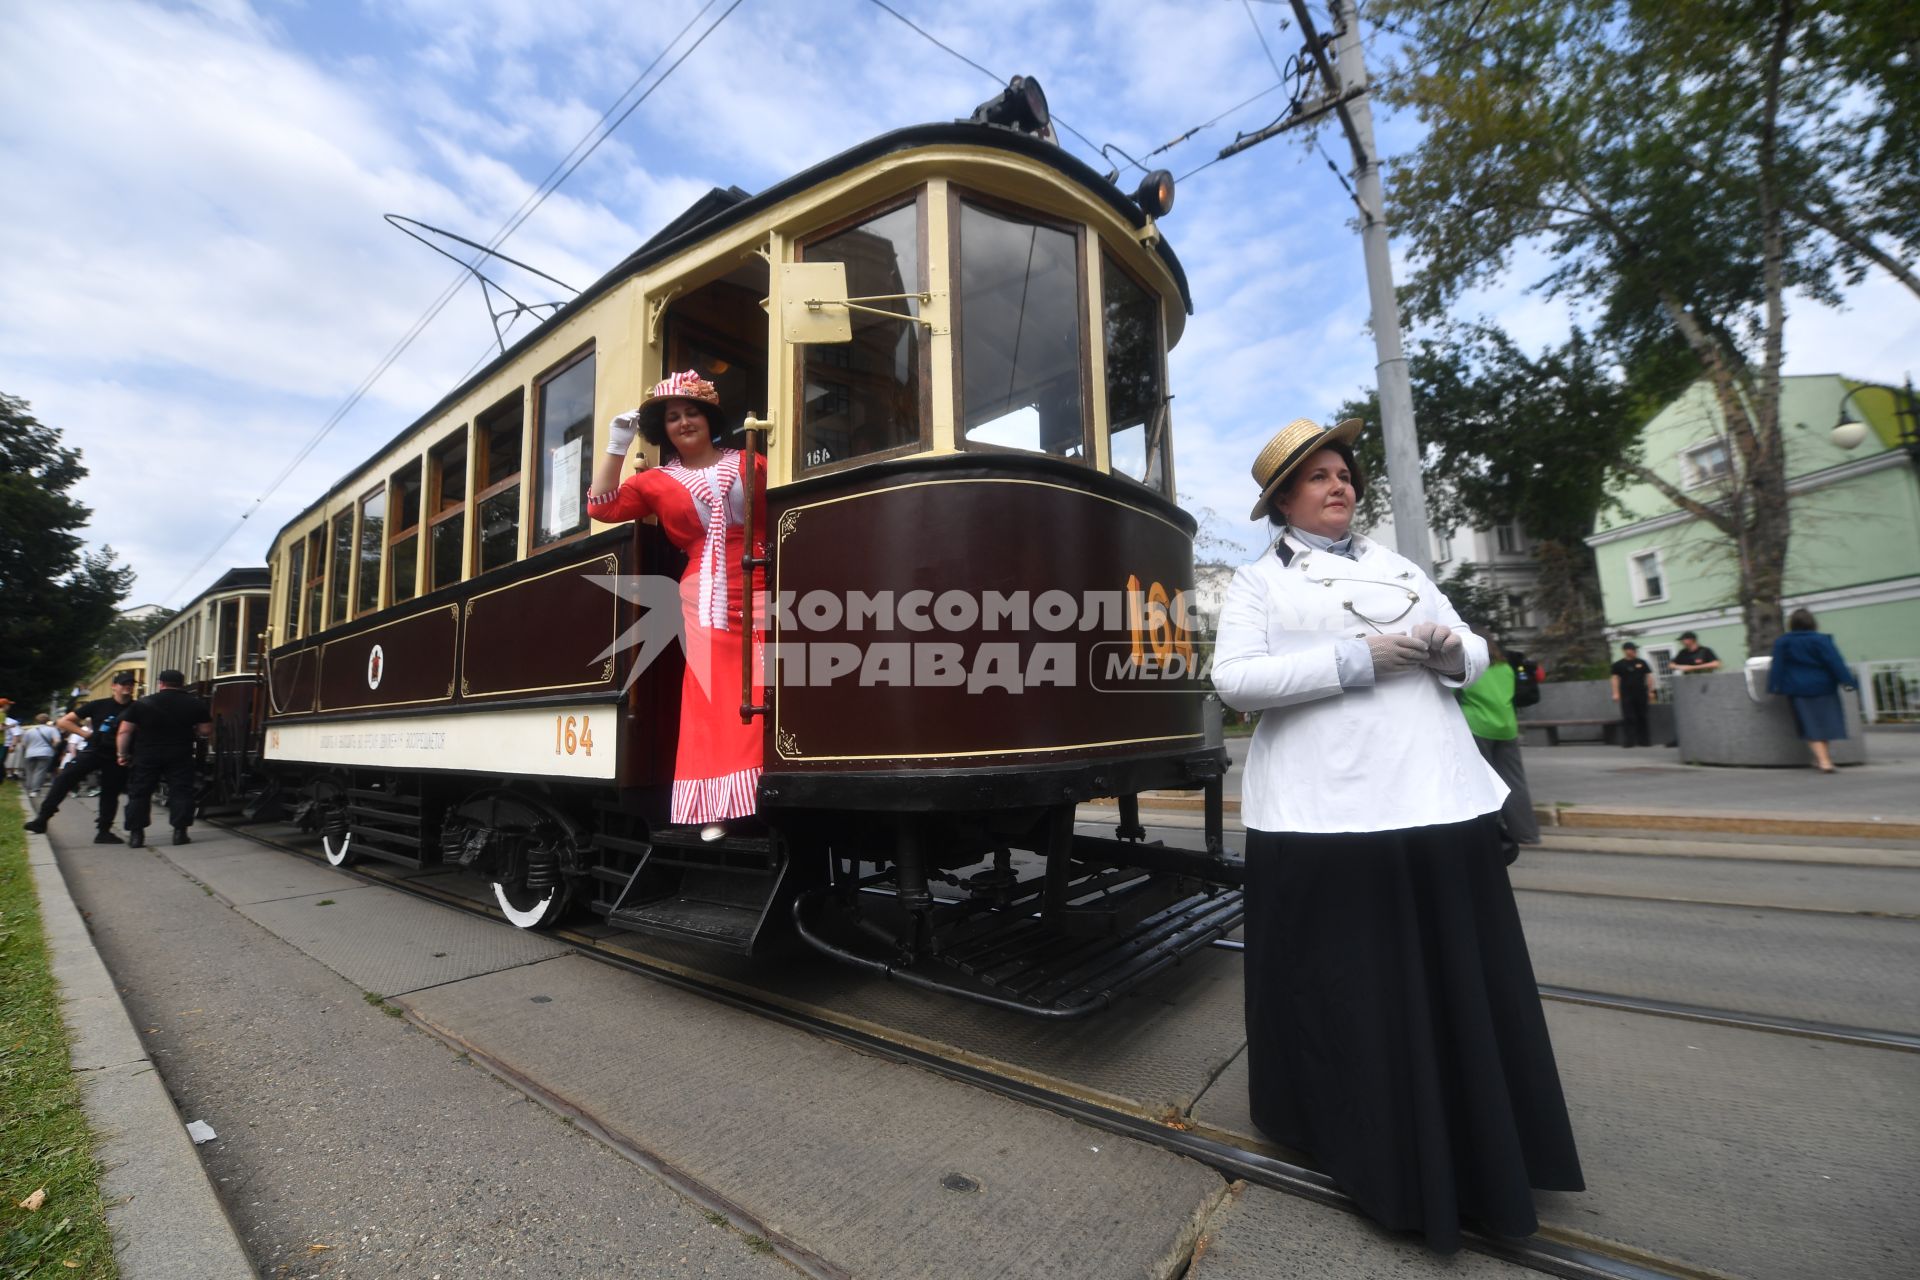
column 1090, row 144
column 561, row 171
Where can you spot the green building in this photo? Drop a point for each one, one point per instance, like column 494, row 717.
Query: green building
column 1854, row 556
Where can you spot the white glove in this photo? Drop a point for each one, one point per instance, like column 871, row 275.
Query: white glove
column 621, row 431
column 1394, row 653
column 1446, row 651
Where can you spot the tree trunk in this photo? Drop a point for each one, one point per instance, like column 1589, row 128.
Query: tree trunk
column 1568, row 593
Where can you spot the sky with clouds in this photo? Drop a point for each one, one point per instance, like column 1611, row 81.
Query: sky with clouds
column 196, row 273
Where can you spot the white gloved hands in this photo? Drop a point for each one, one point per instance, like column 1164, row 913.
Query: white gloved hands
column 621, row 431
column 1446, row 651
column 1394, row 653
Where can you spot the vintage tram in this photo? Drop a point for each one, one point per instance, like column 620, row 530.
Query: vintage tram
column 952, row 341
column 217, row 641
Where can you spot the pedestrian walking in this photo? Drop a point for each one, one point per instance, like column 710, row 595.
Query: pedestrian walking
column 157, row 736
column 95, row 723
column 1488, row 704
column 1807, row 668
column 1394, row 1028
column 12, row 750
column 39, row 748
column 1633, row 690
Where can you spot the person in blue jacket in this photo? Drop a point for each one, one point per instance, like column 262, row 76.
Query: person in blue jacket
column 1808, row 669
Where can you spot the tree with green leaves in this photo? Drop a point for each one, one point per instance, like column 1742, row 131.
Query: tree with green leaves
column 1537, row 439
column 55, row 597
column 1682, row 168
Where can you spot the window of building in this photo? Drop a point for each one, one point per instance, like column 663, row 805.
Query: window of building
column 296, row 586
column 342, row 570
column 316, row 581
column 498, row 435
column 1442, row 546
column 403, row 533
column 1517, row 609
column 1137, row 403
column 1705, row 464
column 563, row 451
column 373, row 541
column 1506, row 539
column 1649, row 580
column 1020, row 314
column 862, row 397
column 446, row 510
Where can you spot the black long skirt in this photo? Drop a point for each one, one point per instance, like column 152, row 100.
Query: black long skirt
column 1394, row 1031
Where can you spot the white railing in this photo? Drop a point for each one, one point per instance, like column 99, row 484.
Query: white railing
column 1890, row 691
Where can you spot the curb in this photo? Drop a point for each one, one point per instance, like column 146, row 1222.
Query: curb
column 161, row 1208
column 1596, row 818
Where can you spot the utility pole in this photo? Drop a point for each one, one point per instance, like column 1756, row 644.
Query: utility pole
column 1346, row 94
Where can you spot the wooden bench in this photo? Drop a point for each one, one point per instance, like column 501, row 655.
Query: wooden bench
column 1609, row 729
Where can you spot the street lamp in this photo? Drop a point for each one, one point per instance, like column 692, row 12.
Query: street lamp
column 1849, row 432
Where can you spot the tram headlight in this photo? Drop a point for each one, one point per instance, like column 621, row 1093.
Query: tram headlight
column 1154, row 195
column 1021, row 106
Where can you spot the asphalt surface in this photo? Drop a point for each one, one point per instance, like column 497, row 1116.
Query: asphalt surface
column 1887, row 786
column 351, row 1143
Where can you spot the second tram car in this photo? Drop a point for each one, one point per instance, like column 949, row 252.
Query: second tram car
column 978, row 584
column 218, row 642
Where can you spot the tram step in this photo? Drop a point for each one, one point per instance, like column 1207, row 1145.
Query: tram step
column 731, row 925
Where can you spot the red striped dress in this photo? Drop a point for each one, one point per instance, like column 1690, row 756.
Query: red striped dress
column 716, row 770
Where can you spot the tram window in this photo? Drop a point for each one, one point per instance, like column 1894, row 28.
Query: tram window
column 253, row 630
column 863, row 397
column 447, row 507
column 1020, row 339
column 1136, row 398
column 497, row 486
column 373, row 540
column 562, row 453
column 227, row 659
column 342, row 565
column 403, row 537
column 316, row 581
column 296, row 588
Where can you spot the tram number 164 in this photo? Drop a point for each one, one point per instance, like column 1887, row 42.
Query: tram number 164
column 573, row 735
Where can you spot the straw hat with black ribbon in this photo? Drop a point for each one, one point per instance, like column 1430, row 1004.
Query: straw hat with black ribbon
column 1292, row 445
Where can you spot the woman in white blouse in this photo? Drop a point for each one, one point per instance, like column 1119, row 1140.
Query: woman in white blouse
column 1394, row 1030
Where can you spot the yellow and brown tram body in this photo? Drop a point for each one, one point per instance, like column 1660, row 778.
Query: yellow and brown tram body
column 977, row 580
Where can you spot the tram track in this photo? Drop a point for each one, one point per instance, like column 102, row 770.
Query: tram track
column 1554, row 1250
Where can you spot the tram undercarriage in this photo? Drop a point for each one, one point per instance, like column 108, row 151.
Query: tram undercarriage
column 1011, row 908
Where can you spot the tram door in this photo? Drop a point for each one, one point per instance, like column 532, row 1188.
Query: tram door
column 720, row 331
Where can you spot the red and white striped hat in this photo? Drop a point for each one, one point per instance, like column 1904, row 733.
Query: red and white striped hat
column 685, row 385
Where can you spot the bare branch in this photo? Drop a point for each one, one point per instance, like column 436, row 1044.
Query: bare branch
column 1693, row 506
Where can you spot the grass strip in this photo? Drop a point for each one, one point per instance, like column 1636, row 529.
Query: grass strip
column 45, row 1142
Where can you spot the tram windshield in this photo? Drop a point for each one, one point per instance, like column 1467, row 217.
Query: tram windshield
column 1020, row 333
column 863, row 397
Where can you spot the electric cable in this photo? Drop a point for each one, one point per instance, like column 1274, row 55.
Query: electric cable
column 555, row 177
column 999, row 79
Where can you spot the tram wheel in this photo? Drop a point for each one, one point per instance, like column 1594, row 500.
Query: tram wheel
column 528, row 908
column 336, row 848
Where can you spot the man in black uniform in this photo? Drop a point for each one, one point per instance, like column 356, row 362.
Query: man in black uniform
column 1694, row 658
column 1632, row 689
column 97, row 755
column 157, row 735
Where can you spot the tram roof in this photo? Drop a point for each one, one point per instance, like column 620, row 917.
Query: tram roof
column 239, row 578
column 721, row 208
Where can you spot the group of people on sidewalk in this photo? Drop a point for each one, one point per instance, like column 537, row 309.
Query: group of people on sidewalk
column 133, row 746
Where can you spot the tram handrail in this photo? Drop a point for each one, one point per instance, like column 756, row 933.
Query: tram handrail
column 748, row 563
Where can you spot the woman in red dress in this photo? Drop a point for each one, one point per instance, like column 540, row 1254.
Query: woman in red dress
column 699, row 497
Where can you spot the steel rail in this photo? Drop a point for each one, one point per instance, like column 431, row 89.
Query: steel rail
column 1556, row 1252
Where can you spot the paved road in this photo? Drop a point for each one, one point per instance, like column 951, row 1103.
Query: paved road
column 1887, row 786
column 351, row 1144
